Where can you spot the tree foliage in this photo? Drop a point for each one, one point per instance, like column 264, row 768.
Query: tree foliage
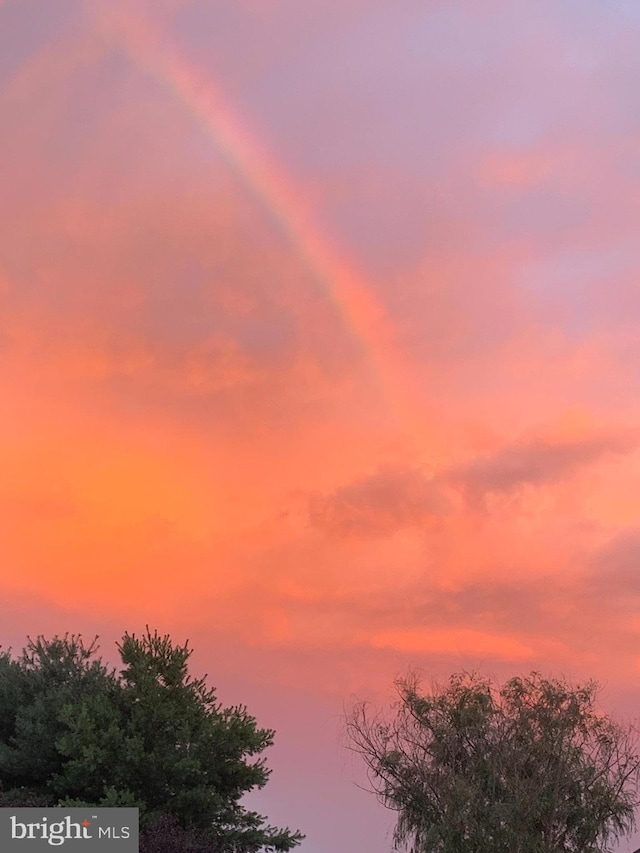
column 73, row 732
column 532, row 767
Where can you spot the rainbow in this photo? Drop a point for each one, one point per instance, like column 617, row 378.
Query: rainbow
column 362, row 314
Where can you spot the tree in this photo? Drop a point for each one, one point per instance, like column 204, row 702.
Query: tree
column 72, row 732
column 532, row 767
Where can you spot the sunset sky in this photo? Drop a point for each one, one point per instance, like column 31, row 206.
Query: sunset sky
column 319, row 346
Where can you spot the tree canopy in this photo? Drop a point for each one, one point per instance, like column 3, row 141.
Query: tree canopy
column 73, row 732
column 531, row 767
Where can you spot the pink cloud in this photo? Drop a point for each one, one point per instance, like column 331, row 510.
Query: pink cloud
column 379, row 504
column 460, row 642
column 537, row 460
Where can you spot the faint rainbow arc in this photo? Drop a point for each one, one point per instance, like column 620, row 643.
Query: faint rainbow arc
column 362, row 314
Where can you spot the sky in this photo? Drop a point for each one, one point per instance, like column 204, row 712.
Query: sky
column 319, row 347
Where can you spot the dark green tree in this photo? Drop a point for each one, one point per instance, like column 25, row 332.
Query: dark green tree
column 532, row 767
column 72, row 732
